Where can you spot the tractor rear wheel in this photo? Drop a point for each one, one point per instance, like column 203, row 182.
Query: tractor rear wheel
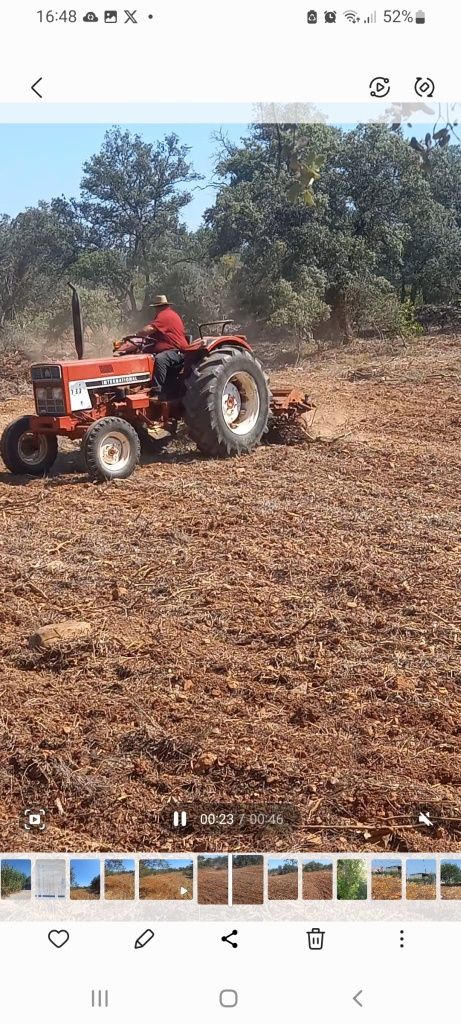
column 111, row 449
column 226, row 406
column 25, row 452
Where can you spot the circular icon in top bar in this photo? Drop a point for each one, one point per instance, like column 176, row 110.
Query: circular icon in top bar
column 380, row 87
column 424, row 87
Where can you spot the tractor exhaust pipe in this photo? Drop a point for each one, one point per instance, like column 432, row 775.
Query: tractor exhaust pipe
column 77, row 321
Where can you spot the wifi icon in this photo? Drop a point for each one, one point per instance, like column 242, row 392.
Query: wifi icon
column 352, row 16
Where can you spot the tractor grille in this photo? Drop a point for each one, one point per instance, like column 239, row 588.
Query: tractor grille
column 49, row 401
column 50, row 407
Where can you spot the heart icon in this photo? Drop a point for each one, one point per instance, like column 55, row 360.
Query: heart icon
column 58, row 939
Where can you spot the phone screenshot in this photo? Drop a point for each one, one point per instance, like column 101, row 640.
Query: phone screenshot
column 230, row 490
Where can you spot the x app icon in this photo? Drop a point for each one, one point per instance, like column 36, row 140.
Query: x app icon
column 131, row 16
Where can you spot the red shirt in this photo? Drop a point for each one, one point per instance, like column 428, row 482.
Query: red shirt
column 168, row 331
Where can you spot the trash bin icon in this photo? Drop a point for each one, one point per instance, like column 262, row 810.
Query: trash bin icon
column 315, row 938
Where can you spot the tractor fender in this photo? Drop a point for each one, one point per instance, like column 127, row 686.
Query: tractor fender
column 236, row 340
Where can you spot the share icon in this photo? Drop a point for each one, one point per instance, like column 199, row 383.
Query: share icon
column 228, row 939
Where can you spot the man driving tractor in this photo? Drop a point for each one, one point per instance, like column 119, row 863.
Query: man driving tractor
column 165, row 337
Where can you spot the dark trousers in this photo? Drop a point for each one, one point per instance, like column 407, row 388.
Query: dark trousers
column 167, row 364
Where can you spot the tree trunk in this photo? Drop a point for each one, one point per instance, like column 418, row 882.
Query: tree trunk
column 132, row 299
column 340, row 314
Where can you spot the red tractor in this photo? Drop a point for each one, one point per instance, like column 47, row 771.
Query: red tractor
column 221, row 394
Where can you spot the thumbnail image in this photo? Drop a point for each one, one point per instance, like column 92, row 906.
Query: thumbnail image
column 386, row 880
column 50, row 879
column 282, row 877
column 450, row 879
column 213, row 878
column 421, row 880
column 16, row 879
column 318, row 879
column 351, row 881
column 85, row 879
column 162, row 879
column 119, row 881
column 316, row 269
column 247, row 879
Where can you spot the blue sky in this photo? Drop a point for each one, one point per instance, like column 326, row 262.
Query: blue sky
column 19, row 865
column 275, row 863
column 415, row 867
column 85, row 871
column 40, row 161
column 383, row 864
column 127, row 865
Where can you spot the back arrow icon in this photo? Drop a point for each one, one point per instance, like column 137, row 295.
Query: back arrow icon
column 356, row 997
column 37, row 93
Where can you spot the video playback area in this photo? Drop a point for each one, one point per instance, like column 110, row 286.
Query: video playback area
column 230, row 495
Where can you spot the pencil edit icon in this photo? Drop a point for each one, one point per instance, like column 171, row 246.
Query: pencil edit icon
column 143, row 939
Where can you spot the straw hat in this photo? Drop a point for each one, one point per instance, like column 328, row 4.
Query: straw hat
column 160, row 300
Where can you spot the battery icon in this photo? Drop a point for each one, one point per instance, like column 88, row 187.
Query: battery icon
column 420, row 17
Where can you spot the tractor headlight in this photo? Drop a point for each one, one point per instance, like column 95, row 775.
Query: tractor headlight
column 56, row 394
column 40, row 394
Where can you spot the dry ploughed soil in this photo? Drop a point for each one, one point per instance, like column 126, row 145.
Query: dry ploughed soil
column 421, row 891
column 248, row 884
column 386, row 887
column 119, row 886
column 212, row 885
column 283, row 887
column 165, row 885
column 450, row 892
column 280, row 628
column 318, row 885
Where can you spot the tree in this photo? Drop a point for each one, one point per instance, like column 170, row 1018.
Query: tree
column 450, row 874
column 132, row 194
column 114, row 867
column 352, row 883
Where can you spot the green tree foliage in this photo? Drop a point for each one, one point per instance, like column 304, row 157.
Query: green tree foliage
column 352, row 881
column 315, row 865
column 314, row 230
column 450, row 874
column 13, row 880
column 114, row 867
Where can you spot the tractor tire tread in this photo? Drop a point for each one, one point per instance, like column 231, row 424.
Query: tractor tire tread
column 199, row 405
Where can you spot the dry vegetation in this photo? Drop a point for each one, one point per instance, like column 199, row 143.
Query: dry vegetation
column 119, row 886
column 450, row 892
column 318, row 885
column 165, row 885
column 386, row 887
column 80, row 892
column 284, row 627
column 421, row 891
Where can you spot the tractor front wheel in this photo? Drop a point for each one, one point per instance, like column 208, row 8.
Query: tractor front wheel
column 226, row 406
column 111, row 449
column 25, row 452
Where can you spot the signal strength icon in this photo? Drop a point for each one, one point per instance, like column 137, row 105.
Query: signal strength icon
column 371, row 20
column 352, row 16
